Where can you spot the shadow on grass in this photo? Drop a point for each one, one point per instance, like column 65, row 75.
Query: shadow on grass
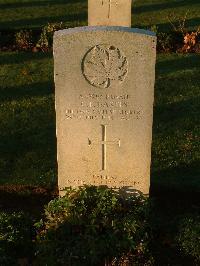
column 42, row 21
column 184, row 111
column 29, row 137
column 176, row 122
column 177, row 64
column 182, row 181
column 160, row 6
column 26, row 91
column 28, row 142
column 20, row 57
column 31, row 199
column 180, row 115
column 39, row 3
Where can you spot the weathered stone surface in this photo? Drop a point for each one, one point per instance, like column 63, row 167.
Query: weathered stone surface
column 109, row 13
column 104, row 79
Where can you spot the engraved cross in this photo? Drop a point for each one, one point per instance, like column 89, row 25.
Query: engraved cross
column 110, row 2
column 104, row 142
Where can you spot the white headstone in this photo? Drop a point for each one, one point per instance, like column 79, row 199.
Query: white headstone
column 104, row 79
column 109, row 13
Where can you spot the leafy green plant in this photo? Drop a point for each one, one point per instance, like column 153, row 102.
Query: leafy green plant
column 165, row 42
column 154, row 28
column 94, row 226
column 189, row 237
column 24, row 40
column 15, row 237
column 46, row 37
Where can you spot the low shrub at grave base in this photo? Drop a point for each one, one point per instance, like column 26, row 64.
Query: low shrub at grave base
column 189, row 237
column 24, row 40
column 45, row 41
column 188, row 42
column 94, row 226
column 15, row 238
column 30, row 40
column 177, row 40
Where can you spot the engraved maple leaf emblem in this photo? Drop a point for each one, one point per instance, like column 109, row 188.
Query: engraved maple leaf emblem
column 104, row 65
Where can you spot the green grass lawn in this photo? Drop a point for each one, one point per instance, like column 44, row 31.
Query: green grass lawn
column 176, row 135
column 27, row 121
column 17, row 14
